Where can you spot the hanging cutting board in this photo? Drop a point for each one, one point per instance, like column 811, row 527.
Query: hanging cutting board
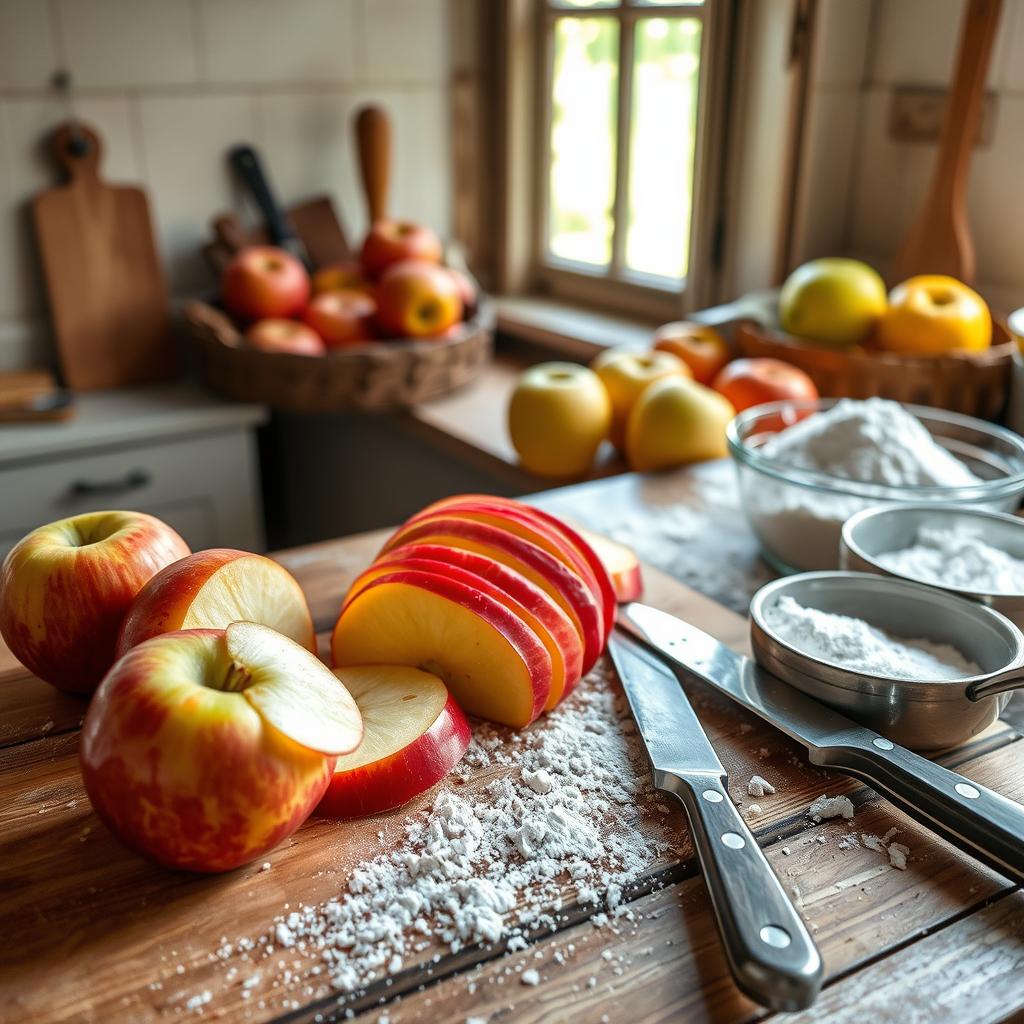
column 107, row 294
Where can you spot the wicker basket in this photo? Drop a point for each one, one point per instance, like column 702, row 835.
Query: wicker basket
column 976, row 384
column 377, row 377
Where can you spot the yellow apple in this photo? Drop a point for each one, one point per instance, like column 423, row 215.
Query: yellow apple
column 932, row 314
column 835, row 302
column 557, row 418
column 676, row 421
column 626, row 373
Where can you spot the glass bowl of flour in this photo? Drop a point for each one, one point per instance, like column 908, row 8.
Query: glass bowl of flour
column 804, row 468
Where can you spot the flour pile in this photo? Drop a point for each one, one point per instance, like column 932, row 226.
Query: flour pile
column 853, row 643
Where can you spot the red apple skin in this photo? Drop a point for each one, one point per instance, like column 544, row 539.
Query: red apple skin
column 467, row 290
column 341, row 318
column 263, row 281
column 392, row 241
column 184, row 777
column 417, row 300
column 63, row 599
column 279, row 335
column 392, row 781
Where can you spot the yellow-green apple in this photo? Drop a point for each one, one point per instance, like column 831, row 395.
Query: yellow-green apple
column 281, row 335
column 212, row 588
column 933, row 314
column 833, row 301
column 749, row 382
column 494, row 664
column 677, row 421
column 205, row 748
column 341, row 318
column 557, row 580
column 701, row 347
column 263, row 281
column 626, row 374
column 341, row 277
column 66, row 588
column 553, row 627
column 392, row 241
column 622, row 564
column 417, row 300
column 558, row 415
column 414, row 733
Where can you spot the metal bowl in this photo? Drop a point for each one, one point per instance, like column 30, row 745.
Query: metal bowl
column 923, row 714
column 876, row 531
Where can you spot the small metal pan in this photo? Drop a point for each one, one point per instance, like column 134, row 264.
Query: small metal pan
column 923, row 714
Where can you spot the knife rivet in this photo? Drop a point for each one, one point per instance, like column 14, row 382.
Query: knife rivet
column 882, row 743
column 773, row 935
column 733, row 840
column 712, row 796
column 967, row 790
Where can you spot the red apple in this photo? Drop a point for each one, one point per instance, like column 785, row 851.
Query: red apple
column 347, row 276
column 204, row 749
column 279, row 335
column 392, row 241
column 494, row 664
column 414, row 733
column 213, row 588
column 701, row 347
column 66, row 587
column 341, row 318
column 417, row 300
column 263, row 281
column 467, row 289
column 750, row 382
column 622, row 564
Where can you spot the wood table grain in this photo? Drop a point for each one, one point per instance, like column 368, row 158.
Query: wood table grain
column 94, row 933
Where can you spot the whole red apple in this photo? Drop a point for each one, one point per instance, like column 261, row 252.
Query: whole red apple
column 750, row 382
column 205, row 748
column 279, row 335
column 66, row 587
column 392, row 241
column 342, row 317
column 264, row 281
column 417, row 300
column 339, row 276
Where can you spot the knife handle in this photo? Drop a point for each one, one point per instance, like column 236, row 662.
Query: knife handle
column 971, row 817
column 771, row 954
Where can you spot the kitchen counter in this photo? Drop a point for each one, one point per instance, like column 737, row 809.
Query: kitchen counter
column 95, row 933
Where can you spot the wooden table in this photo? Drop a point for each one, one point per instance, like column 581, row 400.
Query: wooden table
column 92, row 932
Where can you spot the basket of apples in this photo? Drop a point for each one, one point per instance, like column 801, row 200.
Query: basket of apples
column 385, row 331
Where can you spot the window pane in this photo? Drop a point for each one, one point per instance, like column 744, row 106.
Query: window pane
column 588, row 3
column 584, row 104
column 666, row 72
column 666, row 3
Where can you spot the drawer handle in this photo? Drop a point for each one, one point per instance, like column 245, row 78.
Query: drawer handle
column 132, row 481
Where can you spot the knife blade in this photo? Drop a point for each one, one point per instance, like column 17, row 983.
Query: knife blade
column 770, row 952
column 971, row 817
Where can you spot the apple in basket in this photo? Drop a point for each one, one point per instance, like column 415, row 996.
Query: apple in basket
column 417, row 300
column 341, row 318
column 263, row 281
column 280, row 335
column 393, row 241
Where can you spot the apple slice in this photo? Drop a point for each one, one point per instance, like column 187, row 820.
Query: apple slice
column 213, row 588
column 622, row 564
column 552, row 626
column 414, row 733
column 556, row 579
column 493, row 663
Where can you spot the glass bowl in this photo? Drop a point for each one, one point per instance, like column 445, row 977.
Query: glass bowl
column 798, row 514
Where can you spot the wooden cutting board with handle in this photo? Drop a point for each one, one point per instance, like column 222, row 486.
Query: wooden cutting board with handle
column 107, row 294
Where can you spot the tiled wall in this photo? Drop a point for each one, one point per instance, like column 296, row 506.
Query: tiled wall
column 171, row 84
column 863, row 189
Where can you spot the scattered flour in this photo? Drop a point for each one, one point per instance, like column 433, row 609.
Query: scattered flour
column 896, row 852
column 855, row 644
column 830, row 807
column 530, row 977
column 759, row 787
column 957, row 557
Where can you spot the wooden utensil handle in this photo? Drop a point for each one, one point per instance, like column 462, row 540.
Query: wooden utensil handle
column 373, row 140
column 77, row 149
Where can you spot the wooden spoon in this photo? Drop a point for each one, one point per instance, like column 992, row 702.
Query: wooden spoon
column 373, row 139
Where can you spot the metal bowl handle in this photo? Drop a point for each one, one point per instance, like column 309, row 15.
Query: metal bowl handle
column 1001, row 682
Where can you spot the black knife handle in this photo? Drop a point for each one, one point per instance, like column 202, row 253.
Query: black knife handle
column 246, row 164
column 771, row 954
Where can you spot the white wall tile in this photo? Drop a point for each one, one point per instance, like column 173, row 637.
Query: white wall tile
column 406, row 40
column 842, row 30
column 262, row 41
column 1012, row 69
column 128, row 43
column 27, row 55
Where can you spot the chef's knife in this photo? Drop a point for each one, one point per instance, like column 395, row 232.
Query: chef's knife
column 771, row 955
column 984, row 824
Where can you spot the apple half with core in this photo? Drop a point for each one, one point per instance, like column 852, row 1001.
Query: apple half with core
column 66, row 588
column 414, row 733
column 204, row 749
column 213, row 588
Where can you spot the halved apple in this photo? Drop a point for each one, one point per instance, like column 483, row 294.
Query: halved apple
column 622, row 564
column 555, row 578
column 213, row 588
column 414, row 733
column 493, row 663
column 554, row 628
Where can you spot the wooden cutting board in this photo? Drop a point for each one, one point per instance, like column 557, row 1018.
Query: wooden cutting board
column 107, row 294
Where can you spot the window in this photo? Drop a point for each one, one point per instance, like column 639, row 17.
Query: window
column 623, row 148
